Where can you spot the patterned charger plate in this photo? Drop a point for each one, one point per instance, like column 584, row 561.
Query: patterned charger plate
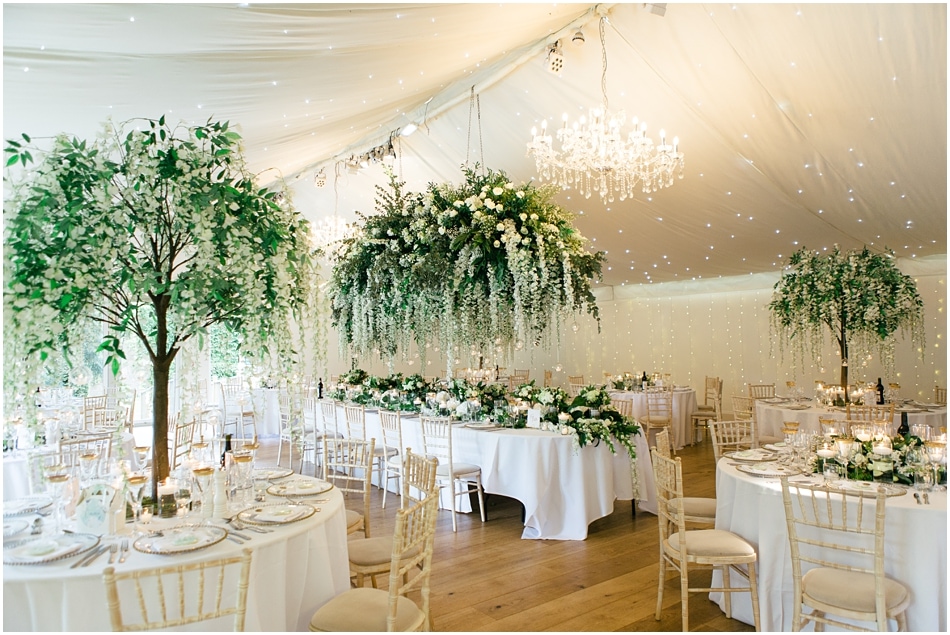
column 272, row 473
column 44, row 549
column 867, row 486
column 180, row 539
column 751, row 456
column 276, row 514
column 14, row 526
column 26, row 505
column 768, row 470
column 307, row 487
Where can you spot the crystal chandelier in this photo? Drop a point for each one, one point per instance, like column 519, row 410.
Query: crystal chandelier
column 595, row 157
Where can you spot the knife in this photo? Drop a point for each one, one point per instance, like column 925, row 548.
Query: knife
column 89, row 557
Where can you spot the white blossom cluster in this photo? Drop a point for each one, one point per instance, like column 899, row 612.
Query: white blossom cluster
column 487, row 264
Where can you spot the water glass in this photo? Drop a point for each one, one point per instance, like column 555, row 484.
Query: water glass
column 134, row 493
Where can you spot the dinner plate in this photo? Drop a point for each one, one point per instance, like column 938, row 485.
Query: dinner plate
column 299, row 487
column 276, row 514
column 750, row 456
column 26, row 505
column 483, row 426
column 272, row 473
column 795, row 406
column 180, row 539
column 44, row 549
column 909, row 409
column 14, row 526
column 768, row 470
column 774, row 400
column 775, row 447
column 868, row 486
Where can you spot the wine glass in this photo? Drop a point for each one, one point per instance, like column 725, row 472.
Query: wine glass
column 134, row 492
column 241, row 472
column 88, row 467
column 845, row 447
column 141, row 455
column 203, row 476
column 936, row 451
column 183, row 490
column 57, row 478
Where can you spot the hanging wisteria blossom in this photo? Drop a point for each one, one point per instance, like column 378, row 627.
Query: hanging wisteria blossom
column 486, row 263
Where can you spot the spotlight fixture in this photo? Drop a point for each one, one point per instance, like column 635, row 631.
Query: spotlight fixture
column 320, row 178
column 578, row 39
column 555, row 60
column 408, row 130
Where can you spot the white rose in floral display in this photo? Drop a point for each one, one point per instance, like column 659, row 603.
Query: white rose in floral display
column 497, row 244
column 523, row 216
column 534, row 217
column 509, row 186
column 458, row 203
column 442, row 230
column 452, row 404
column 490, row 204
column 519, row 194
column 499, row 207
column 500, row 227
column 497, row 191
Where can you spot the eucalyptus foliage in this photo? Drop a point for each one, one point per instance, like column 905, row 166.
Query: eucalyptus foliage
column 486, row 264
column 861, row 297
column 153, row 231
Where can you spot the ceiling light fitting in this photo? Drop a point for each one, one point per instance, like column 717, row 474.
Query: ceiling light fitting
column 554, row 62
column 578, row 39
column 320, row 178
column 594, row 156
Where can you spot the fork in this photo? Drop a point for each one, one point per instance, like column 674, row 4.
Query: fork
column 125, row 550
column 113, row 551
column 926, row 498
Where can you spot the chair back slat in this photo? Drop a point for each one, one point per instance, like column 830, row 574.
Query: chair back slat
column 729, row 436
column 177, row 595
column 761, row 391
column 355, row 417
column 870, row 412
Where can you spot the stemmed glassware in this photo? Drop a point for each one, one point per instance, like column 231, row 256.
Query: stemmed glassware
column 935, row 452
column 57, row 477
column 141, row 454
column 845, row 447
column 241, row 467
column 134, row 492
column 203, row 476
column 88, row 467
column 183, row 491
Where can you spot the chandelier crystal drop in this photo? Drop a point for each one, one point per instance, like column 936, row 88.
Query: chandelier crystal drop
column 595, row 157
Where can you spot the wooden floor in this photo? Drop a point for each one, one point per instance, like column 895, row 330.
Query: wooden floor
column 486, row 578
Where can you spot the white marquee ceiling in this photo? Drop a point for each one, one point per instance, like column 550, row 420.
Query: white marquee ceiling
column 803, row 125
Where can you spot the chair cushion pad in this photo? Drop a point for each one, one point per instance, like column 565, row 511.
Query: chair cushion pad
column 353, row 518
column 458, row 468
column 851, row 590
column 712, row 542
column 364, row 610
column 370, row 551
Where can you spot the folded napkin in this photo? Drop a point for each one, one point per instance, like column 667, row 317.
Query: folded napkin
column 44, row 550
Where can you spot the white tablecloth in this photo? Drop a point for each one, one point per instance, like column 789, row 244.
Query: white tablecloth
column 684, row 404
column 294, row 570
column 265, row 401
column 562, row 487
column 915, row 547
column 770, row 417
column 16, row 481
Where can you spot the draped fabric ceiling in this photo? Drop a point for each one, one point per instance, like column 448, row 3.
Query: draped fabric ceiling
column 803, row 125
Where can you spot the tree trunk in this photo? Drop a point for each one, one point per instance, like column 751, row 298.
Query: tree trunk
column 843, row 342
column 160, row 372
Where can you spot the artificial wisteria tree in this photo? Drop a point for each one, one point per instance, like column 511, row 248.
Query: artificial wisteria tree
column 153, row 231
column 861, row 297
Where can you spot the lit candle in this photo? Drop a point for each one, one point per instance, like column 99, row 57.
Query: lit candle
column 826, row 451
column 166, row 488
column 882, row 450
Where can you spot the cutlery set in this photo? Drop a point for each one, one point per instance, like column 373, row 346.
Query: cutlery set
column 120, row 550
column 925, row 496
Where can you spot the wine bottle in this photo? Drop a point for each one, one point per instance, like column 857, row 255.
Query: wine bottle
column 880, row 392
column 320, row 388
column 904, row 428
column 227, row 450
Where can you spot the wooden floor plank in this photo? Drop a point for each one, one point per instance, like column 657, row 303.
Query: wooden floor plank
column 486, row 578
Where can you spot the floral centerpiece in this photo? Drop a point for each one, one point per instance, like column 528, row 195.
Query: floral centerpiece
column 899, row 464
column 354, row 377
column 488, row 263
column 861, row 297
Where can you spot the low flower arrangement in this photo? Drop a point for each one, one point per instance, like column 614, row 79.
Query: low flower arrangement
column 594, row 419
column 900, row 466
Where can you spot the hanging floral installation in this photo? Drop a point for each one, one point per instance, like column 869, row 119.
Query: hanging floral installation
column 862, row 298
column 487, row 264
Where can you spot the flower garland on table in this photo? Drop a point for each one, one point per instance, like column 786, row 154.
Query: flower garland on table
column 865, row 465
column 488, row 263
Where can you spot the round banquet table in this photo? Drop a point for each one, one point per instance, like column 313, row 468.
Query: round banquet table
column 295, row 569
column 770, row 416
column 915, row 544
column 684, row 404
column 563, row 488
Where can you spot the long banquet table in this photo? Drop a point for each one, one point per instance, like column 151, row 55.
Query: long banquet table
column 563, row 488
column 771, row 416
column 294, row 570
column 684, row 404
column 915, row 547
